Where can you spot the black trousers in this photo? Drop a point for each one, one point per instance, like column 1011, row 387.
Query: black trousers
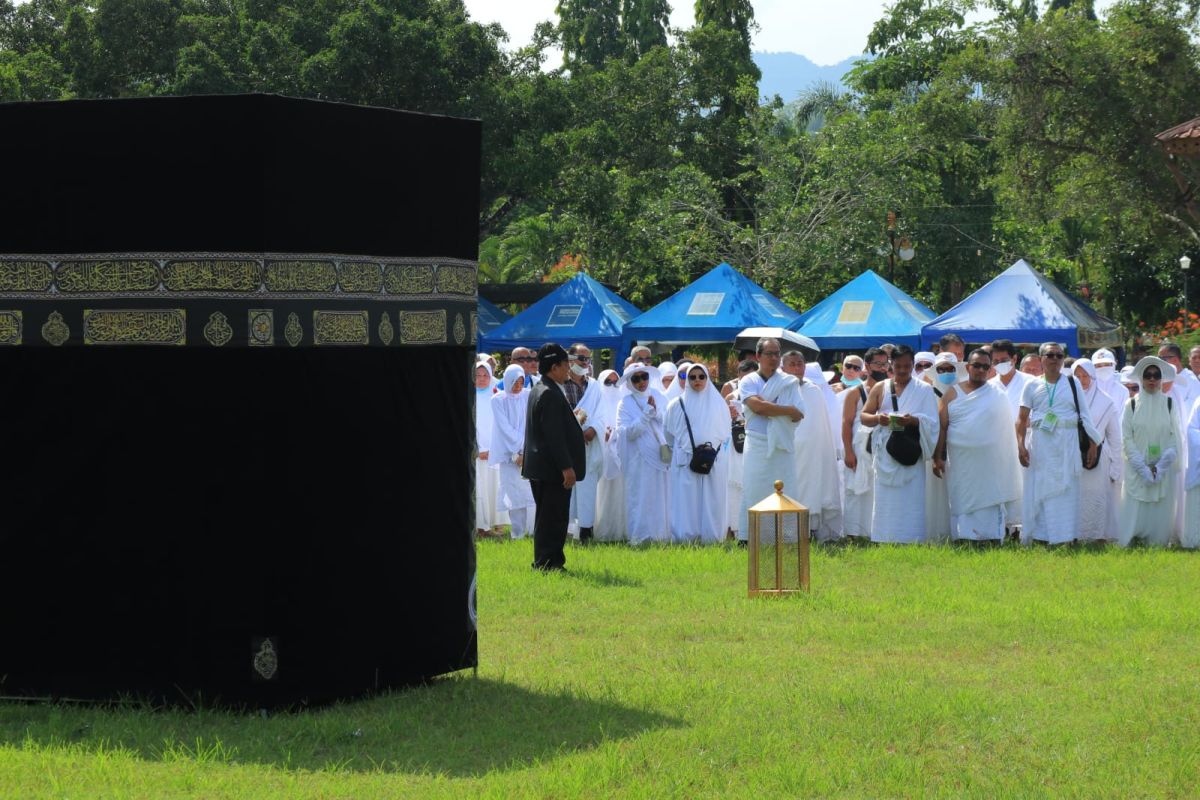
column 550, row 525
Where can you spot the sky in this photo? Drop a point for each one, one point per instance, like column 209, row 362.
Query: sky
column 826, row 32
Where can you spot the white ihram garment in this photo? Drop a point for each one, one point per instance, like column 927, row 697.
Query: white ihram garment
column 590, row 413
column 508, row 440
column 769, row 454
column 899, row 511
column 487, row 478
column 697, row 512
column 1148, row 506
column 858, row 495
column 1100, row 488
column 981, row 453
column 818, row 488
column 1013, row 391
column 640, row 428
column 610, row 494
column 1190, row 535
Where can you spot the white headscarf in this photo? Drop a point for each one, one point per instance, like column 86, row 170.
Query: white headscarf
column 960, row 369
column 610, row 396
column 633, row 408
column 924, row 355
column 508, row 417
column 664, row 369
column 1087, row 366
column 706, row 410
column 483, row 407
column 1151, row 424
column 674, row 390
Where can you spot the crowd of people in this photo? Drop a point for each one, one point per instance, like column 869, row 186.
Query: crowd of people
column 894, row 446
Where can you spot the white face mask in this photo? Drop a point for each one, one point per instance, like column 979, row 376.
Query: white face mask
column 1003, row 368
column 1104, row 373
column 579, row 370
column 945, row 378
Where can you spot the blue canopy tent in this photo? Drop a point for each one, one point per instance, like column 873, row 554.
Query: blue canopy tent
column 713, row 309
column 1025, row 306
column 490, row 316
column 581, row 310
column 866, row 312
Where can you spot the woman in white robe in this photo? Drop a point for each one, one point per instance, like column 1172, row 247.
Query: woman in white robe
column 666, row 373
column 610, row 495
column 679, row 385
column 1099, row 488
column 507, row 448
column 858, row 481
column 640, row 429
column 697, row 512
column 1152, row 447
column 487, row 480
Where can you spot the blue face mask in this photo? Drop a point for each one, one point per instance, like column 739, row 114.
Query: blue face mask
column 946, row 378
column 850, row 384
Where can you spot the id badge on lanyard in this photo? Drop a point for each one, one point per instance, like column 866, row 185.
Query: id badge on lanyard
column 1050, row 421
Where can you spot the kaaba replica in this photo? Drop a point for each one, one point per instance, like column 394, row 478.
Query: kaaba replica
column 235, row 336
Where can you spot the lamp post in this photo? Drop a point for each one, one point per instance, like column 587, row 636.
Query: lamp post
column 903, row 248
column 1184, row 264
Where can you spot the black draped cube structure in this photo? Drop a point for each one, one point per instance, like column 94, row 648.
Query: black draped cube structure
column 235, row 338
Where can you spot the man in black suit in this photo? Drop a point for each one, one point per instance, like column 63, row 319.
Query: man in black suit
column 554, row 457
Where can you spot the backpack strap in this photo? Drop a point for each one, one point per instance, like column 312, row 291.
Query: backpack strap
column 862, row 393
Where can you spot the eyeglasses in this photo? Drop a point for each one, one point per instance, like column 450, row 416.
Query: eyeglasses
column 851, row 368
column 943, row 370
column 924, row 365
column 1054, row 355
column 524, row 358
column 641, row 377
column 613, row 382
column 581, row 358
column 978, row 366
column 701, row 377
column 771, row 353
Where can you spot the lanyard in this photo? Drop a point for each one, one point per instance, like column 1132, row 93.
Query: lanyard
column 1051, row 390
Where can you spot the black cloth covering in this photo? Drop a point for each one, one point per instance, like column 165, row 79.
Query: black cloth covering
column 189, row 515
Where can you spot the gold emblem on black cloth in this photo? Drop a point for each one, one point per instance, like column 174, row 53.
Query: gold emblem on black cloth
column 386, row 331
column 261, row 327
column 460, row 330
column 135, row 326
column 423, row 327
column 292, row 331
column 266, row 662
column 217, row 331
column 55, row 331
column 340, row 327
column 11, row 327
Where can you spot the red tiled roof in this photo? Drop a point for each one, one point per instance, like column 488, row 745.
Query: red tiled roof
column 1183, row 139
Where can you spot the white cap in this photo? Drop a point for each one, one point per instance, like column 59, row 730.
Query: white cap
column 1103, row 356
column 1126, row 375
column 924, row 355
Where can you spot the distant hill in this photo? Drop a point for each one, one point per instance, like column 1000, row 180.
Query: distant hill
column 789, row 74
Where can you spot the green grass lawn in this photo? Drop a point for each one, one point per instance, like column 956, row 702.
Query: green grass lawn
column 648, row 673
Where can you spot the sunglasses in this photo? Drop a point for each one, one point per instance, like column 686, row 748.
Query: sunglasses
column 613, row 382
column 525, row 358
column 701, row 378
column 945, row 370
column 851, row 368
column 641, row 377
column 978, row 366
column 1054, row 355
column 581, row 358
column 924, row 365
column 771, row 353
column 1151, row 376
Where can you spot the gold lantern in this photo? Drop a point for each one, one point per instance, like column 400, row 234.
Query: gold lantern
column 777, row 566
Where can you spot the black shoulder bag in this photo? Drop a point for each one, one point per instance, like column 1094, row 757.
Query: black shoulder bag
column 703, row 455
column 1084, row 439
column 903, row 445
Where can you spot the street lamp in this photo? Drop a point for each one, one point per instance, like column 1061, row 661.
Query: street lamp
column 1184, row 264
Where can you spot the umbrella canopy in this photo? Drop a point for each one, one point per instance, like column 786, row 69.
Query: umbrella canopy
column 710, row 310
column 581, row 310
column 1024, row 305
column 788, row 339
column 490, row 317
column 865, row 312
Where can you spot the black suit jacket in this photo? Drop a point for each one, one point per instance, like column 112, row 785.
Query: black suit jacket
column 553, row 438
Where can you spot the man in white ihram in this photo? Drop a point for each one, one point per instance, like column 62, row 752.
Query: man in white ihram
column 976, row 436
column 773, row 406
column 818, row 488
column 1052, row 461
column 903, row 407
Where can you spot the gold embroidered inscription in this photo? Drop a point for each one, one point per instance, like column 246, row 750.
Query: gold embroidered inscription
column 408, row 278
column 456, row 280
column 360, row 276
column 301, row 276
column 423, row 327
column 25, row 276
column 340, row 327
column 212, row 275
column 135, row 326
column 10, row 327
column 126, row 275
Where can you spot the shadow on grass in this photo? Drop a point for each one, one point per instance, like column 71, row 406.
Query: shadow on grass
column 460, row 726
column 602, row 578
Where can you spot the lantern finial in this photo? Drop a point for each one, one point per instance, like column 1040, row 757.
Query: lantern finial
column 778, row 487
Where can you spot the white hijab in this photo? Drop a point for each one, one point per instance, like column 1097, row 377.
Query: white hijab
column 483, row 407
column 664, row 369
column 610, row 396
column 706, row 410
column 674, row 390
column 508, row 412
